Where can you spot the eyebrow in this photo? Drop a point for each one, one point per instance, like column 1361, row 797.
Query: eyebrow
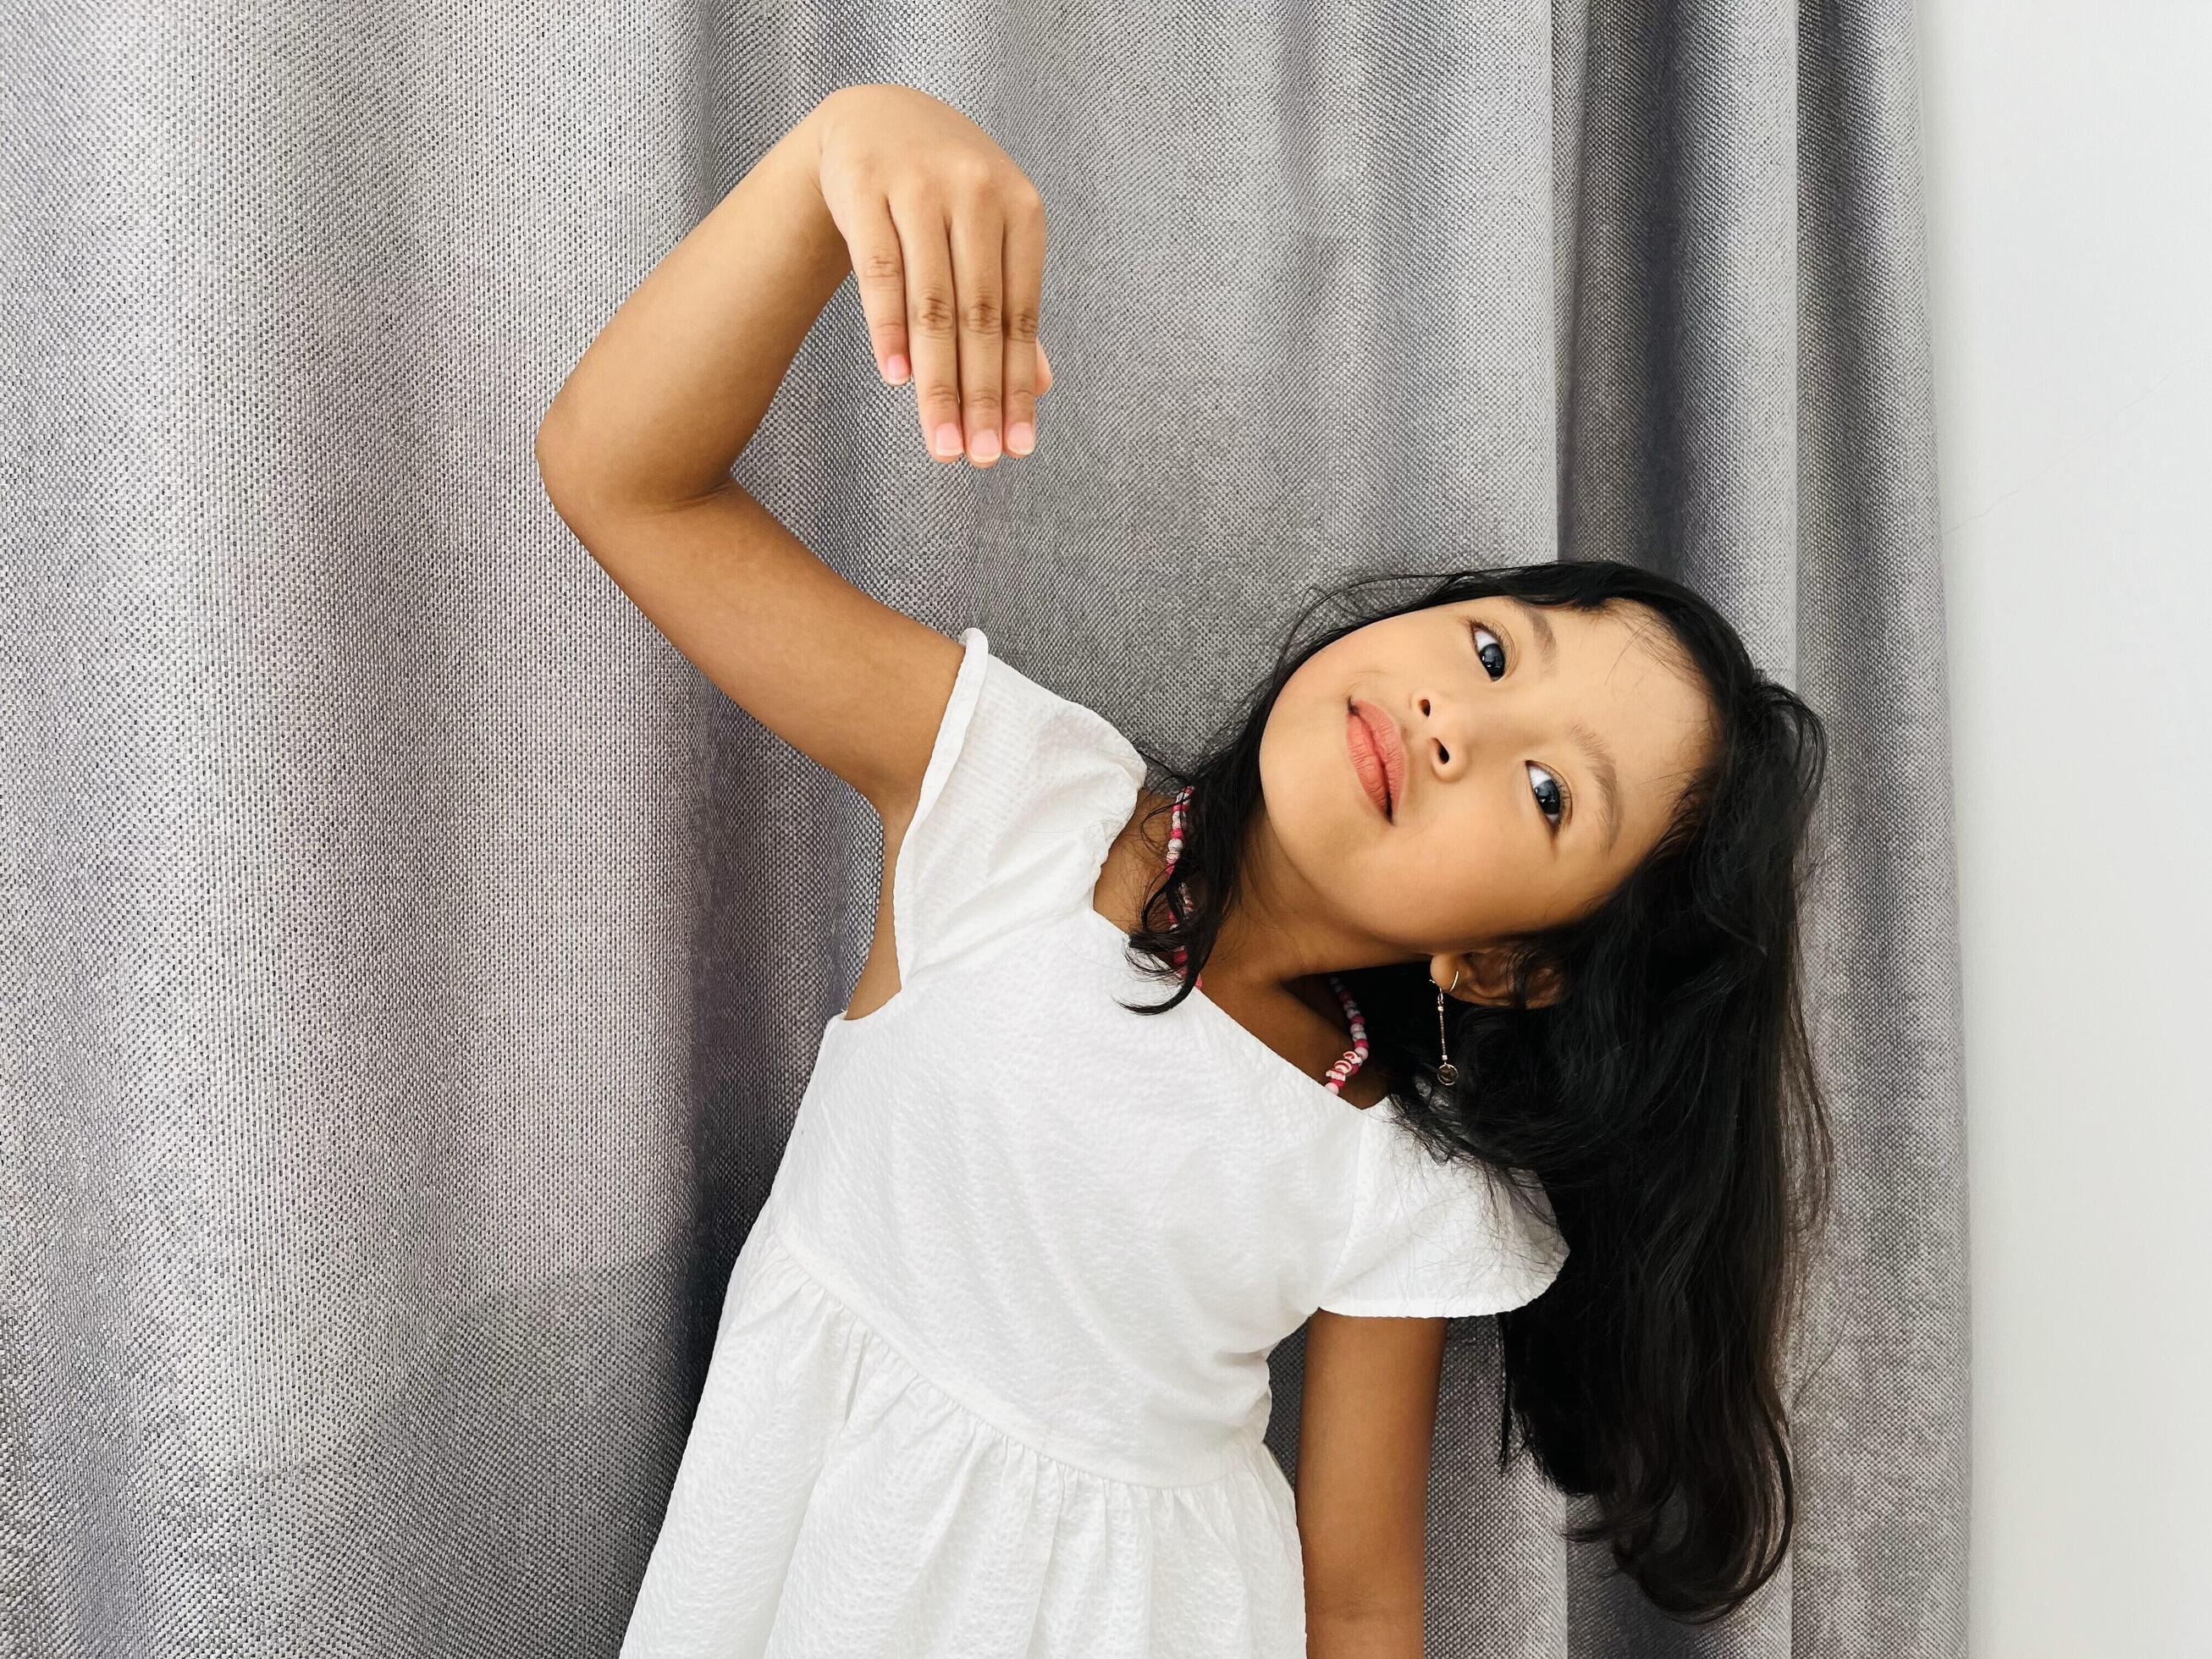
column 1601, row 757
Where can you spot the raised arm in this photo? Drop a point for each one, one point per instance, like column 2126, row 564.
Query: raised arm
column 635, row 450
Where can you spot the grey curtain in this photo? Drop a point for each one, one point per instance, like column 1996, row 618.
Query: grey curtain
column 415, row 965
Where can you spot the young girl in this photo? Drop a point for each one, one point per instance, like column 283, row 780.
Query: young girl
column 1478, row 928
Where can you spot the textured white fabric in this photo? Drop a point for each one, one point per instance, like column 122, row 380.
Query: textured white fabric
column 991, row 1378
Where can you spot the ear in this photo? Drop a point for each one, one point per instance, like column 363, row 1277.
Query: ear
column 1486, row 978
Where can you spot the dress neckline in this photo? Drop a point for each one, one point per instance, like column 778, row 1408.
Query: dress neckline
column 1240, row 1034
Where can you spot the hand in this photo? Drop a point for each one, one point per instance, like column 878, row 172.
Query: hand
column 947, row 238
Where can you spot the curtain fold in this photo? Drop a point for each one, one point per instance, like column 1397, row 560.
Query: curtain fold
column 415, row 964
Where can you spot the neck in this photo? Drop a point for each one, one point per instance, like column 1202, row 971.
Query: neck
column 1266, row 951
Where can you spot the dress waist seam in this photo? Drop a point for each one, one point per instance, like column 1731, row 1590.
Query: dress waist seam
column 1000, row 1416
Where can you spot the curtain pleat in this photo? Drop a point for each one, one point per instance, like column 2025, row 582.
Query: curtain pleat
column 415, row 964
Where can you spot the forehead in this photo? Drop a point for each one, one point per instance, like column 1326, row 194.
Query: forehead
column 1636, row 707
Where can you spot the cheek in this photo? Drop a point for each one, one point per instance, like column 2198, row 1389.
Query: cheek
column 1302, row 781
column 1471, row 878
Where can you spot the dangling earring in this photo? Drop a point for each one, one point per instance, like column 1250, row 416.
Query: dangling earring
column 1446, row 1072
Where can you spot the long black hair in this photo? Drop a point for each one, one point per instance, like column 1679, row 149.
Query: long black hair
column 1667, row 1101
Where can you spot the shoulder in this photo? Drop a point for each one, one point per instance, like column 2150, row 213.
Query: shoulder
column 1023, row 791
column 1133, row 860
column 1431, row 1236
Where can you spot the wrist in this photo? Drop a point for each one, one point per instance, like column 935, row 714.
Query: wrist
column 816, row 121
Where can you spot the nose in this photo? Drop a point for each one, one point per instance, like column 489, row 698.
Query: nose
column 1432, row 729
column 1447, row 736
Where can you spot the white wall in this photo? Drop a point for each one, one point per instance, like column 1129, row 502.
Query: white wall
column 2069, row 175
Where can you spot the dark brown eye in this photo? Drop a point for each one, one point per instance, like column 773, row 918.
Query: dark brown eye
column 1480, row 633
column 1556, row 800
column 1558, row 795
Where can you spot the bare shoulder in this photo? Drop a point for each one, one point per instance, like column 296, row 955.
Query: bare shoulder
column 1133, row 862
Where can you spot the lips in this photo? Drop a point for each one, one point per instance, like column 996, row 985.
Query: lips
column 1389, row 750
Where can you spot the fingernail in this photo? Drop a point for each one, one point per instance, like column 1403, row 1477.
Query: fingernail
column 896, row 369
column 946, row 444
column 1021, row 437
column 986, row 446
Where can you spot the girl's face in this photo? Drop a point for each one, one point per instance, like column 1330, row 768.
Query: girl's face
column 1538, row 754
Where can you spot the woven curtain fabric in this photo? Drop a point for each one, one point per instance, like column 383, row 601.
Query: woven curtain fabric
column 415, row 964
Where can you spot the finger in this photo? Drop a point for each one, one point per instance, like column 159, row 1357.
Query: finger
column 1024, row 284
column 879, row 274
column 933, row 328
column 929, row 322
column 1044, row 371
column 979, row 284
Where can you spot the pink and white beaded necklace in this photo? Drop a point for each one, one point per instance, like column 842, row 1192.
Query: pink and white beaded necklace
column 1355, row 1056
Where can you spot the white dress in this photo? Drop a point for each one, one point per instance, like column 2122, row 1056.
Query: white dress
column 991, row 1378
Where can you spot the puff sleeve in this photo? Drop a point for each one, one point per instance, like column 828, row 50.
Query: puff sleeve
column 1431, row 1238
column 1024, row 791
